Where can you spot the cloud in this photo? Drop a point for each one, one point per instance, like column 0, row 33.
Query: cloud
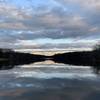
column 29, row 44
column 91, row 4
column 57, row 21
column 11, row 17
column 12, row 26
column 11, row 11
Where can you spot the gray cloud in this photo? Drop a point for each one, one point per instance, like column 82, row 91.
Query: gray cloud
column 55, row 22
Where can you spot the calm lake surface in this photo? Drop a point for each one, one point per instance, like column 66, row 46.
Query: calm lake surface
column 49, row 81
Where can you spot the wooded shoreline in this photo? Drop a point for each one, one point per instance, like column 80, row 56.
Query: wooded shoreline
column 82, row 58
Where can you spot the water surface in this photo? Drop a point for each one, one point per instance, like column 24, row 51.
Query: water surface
column 49, row 81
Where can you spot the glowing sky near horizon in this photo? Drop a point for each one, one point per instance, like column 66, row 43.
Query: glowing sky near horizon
column 25, row 23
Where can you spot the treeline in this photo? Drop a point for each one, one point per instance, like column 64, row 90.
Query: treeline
column 83, row 58
column 9, row 57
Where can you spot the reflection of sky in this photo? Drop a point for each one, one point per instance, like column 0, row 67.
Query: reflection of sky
column 47, row 79
column 54, row 22
column 33, row 75
column 48, row 71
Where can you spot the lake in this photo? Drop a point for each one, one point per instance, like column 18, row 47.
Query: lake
column 49, row 81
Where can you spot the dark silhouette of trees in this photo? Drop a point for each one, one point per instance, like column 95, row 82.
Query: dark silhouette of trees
column 9, row 58
column 83, row 58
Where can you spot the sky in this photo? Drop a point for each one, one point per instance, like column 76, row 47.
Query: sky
column 49, row 24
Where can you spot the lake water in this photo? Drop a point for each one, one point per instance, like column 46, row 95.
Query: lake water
column 49, row 81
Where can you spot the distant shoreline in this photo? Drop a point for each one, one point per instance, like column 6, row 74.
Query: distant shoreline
column 80, row 58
